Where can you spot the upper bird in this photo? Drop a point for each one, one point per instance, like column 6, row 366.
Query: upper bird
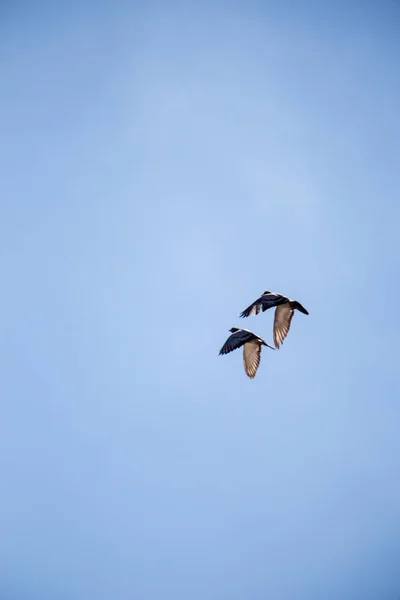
column 252, row 348
column 283, row 314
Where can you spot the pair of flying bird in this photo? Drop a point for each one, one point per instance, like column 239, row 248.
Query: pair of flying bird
column 253, row 343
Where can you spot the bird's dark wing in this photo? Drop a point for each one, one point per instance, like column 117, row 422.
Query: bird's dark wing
column 282, row 320
column 251, row 357
column 253, row 309
column 263, row 303
column 236, row 340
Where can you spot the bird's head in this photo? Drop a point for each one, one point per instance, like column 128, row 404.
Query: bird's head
column 234, row 329
column 266, row 293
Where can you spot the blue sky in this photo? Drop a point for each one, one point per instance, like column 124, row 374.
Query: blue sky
column 161, row 166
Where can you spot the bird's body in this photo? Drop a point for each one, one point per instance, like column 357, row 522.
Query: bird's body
column 285, row 308
column 252, row 345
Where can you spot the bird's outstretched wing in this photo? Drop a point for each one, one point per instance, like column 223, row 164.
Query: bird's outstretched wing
column 251, row 357
column 236, row 340
column 264, row 302
column 282, row 320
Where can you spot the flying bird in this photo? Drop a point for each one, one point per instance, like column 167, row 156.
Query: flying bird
column 285, row 308
column 252, row 348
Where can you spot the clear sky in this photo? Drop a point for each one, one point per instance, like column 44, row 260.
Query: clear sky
column 161, row 166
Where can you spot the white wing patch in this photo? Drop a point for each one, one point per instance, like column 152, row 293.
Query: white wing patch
column 251, row 357
column 283, row 318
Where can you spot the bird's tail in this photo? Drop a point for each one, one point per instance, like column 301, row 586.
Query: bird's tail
column 268, row 346
column 300, row 307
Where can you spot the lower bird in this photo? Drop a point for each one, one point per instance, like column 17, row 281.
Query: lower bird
column 252, row 348
column 285, row 308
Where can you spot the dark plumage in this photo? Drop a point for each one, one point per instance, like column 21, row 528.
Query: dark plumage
column 285, row 308
column 252, row 348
